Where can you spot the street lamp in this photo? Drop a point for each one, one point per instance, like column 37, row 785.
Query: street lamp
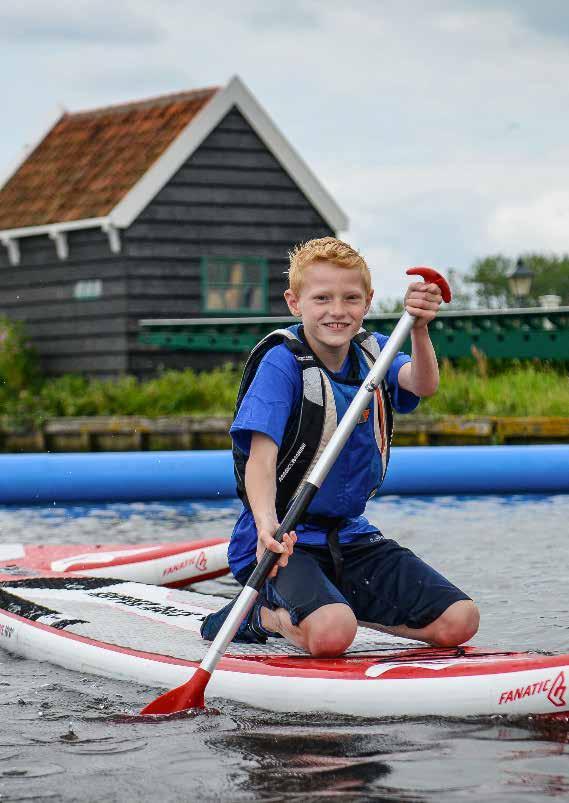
column 519, row 281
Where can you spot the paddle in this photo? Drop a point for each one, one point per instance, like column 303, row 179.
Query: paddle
column 191, row 693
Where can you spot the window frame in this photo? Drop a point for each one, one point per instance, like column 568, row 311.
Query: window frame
column 206, row 285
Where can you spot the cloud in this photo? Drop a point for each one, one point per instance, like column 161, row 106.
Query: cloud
column 294, row 15
column 540, row 223
column 439, row 128
column 81, row 22
column 550, row 18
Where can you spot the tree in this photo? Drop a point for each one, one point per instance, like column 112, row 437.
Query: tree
column 461, row 292
column 490, row 278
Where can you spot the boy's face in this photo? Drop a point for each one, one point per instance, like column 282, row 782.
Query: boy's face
column 332, row 303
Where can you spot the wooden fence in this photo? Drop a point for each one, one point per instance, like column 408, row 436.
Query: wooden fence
column 92, row 434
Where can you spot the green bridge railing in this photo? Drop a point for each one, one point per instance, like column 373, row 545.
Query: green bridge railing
column 514, row 333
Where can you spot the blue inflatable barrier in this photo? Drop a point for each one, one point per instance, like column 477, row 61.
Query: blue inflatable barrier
column 115, row 477
column 478, row 470
column 145, row 476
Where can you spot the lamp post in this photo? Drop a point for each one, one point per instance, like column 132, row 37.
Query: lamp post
column 519, row 281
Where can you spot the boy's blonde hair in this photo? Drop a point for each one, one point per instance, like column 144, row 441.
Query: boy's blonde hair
column 325, row 249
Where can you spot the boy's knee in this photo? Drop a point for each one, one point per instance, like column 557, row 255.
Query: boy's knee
column 330, row 632
column 458, row 624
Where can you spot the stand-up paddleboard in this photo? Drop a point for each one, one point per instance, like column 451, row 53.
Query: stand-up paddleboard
column 150, row 635
column 171, row 565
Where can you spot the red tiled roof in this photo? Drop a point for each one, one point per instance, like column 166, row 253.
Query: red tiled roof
column 90, row 160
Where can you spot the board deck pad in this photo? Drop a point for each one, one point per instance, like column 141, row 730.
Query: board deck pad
column 135, row 616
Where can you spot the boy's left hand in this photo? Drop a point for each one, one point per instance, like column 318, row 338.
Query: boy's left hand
column 422, row 300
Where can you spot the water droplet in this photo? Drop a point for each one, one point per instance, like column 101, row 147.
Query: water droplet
column 70, row 736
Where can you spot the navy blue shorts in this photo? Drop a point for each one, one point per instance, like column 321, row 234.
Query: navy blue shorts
column 383, row 583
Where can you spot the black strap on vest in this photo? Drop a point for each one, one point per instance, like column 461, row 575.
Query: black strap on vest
column 336, row 552
column 332, row 525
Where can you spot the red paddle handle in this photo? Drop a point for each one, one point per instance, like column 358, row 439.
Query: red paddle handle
column 430, row 275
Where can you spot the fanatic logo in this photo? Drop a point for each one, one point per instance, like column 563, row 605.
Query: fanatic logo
column 558, row 691
column 555, row 690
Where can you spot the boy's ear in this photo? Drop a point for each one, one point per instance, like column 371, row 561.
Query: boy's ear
column 368, row 301
column 292, row 302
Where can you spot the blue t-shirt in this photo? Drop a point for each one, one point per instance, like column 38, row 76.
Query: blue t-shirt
column 266, row 407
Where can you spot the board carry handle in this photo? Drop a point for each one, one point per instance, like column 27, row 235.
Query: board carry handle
column 191, row 693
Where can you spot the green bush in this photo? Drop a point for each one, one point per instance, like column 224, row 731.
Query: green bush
column 18, row 361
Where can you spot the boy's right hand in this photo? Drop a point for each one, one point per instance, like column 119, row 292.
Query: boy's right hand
column 265, row 540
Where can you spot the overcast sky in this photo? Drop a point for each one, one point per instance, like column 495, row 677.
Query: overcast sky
column 440, row 127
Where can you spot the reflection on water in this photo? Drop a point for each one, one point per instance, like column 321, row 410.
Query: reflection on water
column 396, row 760
column 307, row 761
column 65, row 736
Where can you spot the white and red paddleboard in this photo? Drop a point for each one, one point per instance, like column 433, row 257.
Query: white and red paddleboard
column 150, row 635
column 172, row 565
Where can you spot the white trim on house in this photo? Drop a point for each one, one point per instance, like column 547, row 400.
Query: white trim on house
column 65, row 225
column 114, row 236
column 189, row 140
column 13, row 248
column 57, row 232
column 60, row 239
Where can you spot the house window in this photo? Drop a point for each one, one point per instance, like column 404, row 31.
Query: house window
column 234, row 285
column 88, row 289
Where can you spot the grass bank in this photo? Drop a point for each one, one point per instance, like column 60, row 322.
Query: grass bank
column 520, row 390
column 173, row 393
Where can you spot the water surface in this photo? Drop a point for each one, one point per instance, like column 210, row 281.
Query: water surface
column 72, row 737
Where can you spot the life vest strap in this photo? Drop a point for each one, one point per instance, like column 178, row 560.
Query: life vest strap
column 332, row 525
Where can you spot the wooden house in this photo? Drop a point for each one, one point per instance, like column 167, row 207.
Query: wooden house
column 180, row 206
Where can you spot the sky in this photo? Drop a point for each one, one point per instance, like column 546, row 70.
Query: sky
column 441, row 128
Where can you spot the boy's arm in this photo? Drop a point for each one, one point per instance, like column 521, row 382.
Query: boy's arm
column 260, row 484
column 421, row 375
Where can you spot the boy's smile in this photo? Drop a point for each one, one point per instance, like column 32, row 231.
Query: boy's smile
column 332, row 303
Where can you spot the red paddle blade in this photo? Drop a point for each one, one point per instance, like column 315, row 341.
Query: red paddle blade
column 188, row 695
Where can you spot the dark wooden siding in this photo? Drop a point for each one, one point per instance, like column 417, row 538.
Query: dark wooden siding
column 232, row 198
column 69, row 335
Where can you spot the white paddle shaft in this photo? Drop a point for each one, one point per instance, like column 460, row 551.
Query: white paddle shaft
column 361, row 400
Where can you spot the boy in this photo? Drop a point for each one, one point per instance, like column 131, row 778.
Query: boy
column 337, row 569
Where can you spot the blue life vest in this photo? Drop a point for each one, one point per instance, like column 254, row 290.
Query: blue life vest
column 361, row 466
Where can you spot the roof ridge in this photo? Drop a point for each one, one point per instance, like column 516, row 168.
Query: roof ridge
column 159, row 100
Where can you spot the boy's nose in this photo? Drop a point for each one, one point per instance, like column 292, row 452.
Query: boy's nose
column 337, row 308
